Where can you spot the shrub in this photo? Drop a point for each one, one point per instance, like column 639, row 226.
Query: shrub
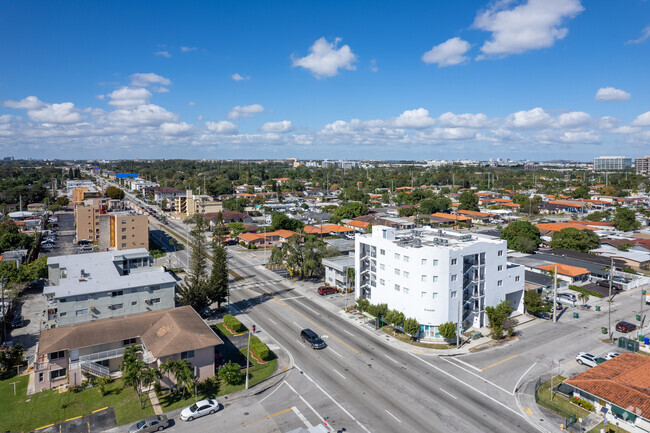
column 447, row 330
column 231, row 373
column 233, row 323
column 260, row 349
column 582, row 403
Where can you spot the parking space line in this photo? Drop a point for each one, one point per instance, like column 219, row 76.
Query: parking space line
column 338, row 373
column 452, row 396
column 393, row 416
column 499, row 362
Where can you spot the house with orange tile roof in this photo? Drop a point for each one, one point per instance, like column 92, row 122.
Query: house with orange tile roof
column 358, row 225
column 547, row 229
column 478, row 217
column 448, row 216
column 259, row 239
column 570, row 274
column 622, row 387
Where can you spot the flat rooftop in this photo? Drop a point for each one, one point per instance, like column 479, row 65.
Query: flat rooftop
column 433, row 237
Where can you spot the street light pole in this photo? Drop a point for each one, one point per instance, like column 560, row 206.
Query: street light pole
column 555, row 295
column 248, row 354
column 609, row 301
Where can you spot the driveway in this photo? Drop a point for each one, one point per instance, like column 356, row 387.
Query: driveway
column 31, row 305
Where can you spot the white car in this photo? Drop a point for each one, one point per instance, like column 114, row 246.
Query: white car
column 199, row 409
column 585, row 358
column 611, row 355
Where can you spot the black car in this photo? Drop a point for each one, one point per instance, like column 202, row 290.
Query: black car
column 17, row 322
column 312, row 338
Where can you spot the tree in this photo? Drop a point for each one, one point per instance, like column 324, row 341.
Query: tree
column 412, row 327
column 350, row 210
column 534, row 303
column 407, row 211
column 497, row 317
column 625, row 220
column 574, row 239
column 218, row 283
column 114, row 192
column 280, row 221
column 101, row 383
column 10, row 356
column 193, row 290
column 582, row 192
column 231, row 373
column 182, row 371
column 432, row 205
column 236, row 204
column 349, row 277
column 132, row 368
column 447, row 330
column 584, row 298
column 522, row 236
column 468, row 201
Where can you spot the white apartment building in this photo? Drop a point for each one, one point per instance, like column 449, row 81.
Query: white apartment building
column 86, row 287
column 436, row 276
column 642, row 165
column 603, row 163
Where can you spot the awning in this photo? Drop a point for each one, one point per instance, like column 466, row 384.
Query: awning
column 368, row 315
column 621, row 413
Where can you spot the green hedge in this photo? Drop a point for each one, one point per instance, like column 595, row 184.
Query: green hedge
column 260, row 349
column 233, row 323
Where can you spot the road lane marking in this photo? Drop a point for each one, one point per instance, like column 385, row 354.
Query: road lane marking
column 393, row 416
column 304, row 306
column 528, row 411
column 348, row 332
column 467, row 364
column 474, row 374
column 293, row 297
column 418, row 351
column 268, row 417
column 522, row 376
column 300, row 342
column 469, row 386
column 305, row 401
column 396, row 362
column 499, row 362
column 272, row 321
column 452, row 396
column 341, row 356
column 330, row 397
column 338, row 373
column 301, row 416
column 299, row 327
column 278, row 387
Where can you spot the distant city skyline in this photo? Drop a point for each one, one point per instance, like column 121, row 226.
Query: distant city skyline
column 531, row 79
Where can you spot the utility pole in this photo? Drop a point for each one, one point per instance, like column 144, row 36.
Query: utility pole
column 609, row 301
column 248, row 354
column 458, row 327
column 555, row 295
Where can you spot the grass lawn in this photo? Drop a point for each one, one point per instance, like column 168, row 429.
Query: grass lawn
column 257, row 372
column 560, row 405
column 23, row 413
column 407, row 339
column 227, row 333
column 610, row 429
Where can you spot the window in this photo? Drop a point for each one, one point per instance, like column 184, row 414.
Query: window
column 155, row 300
column 81, row 312
column 435, row 278
column 40, row 377
column 397, row 256
column 382, row 252
column 123, row 245
column 123, row 237
column 424, row 262
column 517, row 279
column 406, row 274
column 500, row 283
column 453, row 294
column 435, row 295
column 406, row 259
column 81, row 298
column 453, row 277
column 117, row 293
column 500, row 268
column 123, row 229
column 405, row 290
column 397, row 287
column 500, row 253
column 423, row 294
column 116, row 306
column 397, row 272
column 187, row 355
column 381, row 281
column 424, row 278
column 57, row 355
column 57, row 373
column 134, row 303
column 454, row 261
column 381, row 266
column 62, row 314
column 128, row 342
column 123, row 221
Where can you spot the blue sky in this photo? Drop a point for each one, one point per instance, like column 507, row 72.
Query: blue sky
column 536, row 79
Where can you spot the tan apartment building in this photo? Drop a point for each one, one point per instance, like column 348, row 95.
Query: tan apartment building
column 86, row 221
column 123, row 231
column 191, row 204
column 642, row 165
column 82, row 193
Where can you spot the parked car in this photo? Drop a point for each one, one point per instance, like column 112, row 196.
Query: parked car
column 86, row 248
column 327, row 290
column 611, row 355
column 621, row 280
column 312, row 338
column 199, row 409
column 605, row 283
column 569, row 296
column 152, row 423
column 585, row 358
column 17, row 322
column 625, row 327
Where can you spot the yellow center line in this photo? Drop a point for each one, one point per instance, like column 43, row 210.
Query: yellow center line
column 418, row 351
column 499, row 362
column 266, row 417
column 528, row 411
column 320, row 327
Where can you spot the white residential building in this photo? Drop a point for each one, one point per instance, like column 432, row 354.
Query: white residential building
column 86, row 287
column 336, row 270
column 436, row 276
column 604, row 163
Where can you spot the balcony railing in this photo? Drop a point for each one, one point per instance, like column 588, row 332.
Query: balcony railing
column 101, row 356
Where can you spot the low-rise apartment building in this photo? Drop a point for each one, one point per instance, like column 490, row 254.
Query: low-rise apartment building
column 642, row 165
column 124, row 230
column 336, row 271
column 191, row 204
column 436, row 276
column 93, row 286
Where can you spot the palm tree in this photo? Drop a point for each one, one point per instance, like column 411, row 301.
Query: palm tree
column 132, row 368
column 584, row 298
column 182, row 372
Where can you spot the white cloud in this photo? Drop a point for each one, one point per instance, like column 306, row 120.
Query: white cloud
column 373, row 65
column 448, row 53
column 223, row 127
column 175, row 129
column 469, row 120
column 56, row 113
column 163, row 54
column 241, row 111
column 611, row 94
column 188, row 49
column 574, row 119
column 642, row 119
column 143, row 115
column 144, row 79
column 191, row 103
column 534, row 118
column 532, row 25
column 129, row 97
column 413, row 119
column 28, row 103
column 5, row 118
column 277, row 127
column 238, row 77
column 579, row 137
column 325, row 59
column 608, row 122
column 645, row 34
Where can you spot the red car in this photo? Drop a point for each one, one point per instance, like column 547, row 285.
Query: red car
column 625, row 327
column 327, row 290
